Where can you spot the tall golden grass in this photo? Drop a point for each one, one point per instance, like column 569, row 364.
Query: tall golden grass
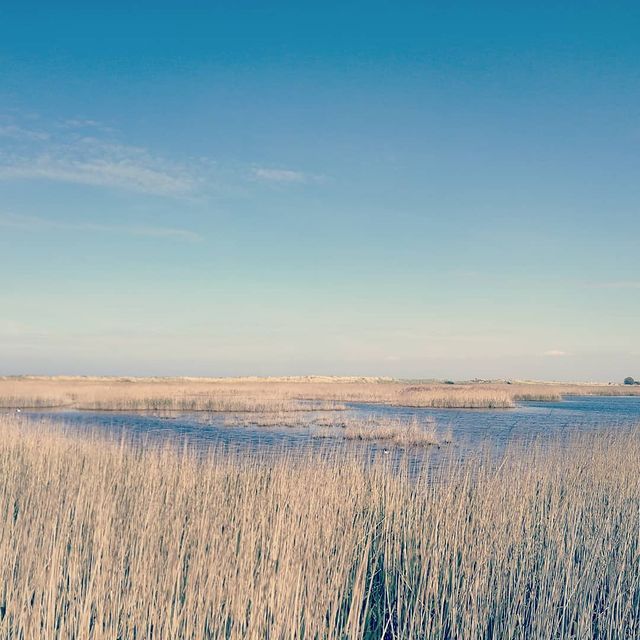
column 393, row 430
column 99, row 539
column 397, row 430
column 274, row 395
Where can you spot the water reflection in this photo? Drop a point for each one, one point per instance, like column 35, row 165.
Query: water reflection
column 473, row 431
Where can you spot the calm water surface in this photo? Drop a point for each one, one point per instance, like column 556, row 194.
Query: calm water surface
column 471, row 429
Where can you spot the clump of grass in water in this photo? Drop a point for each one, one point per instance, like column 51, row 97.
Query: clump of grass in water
column 291, row 419
column 391, row 430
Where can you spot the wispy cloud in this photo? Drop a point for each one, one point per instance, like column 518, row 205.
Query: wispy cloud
column 84, row 151
column 64, row 153
column 283, row 176
column 37, row 224
column 10, row 328
column 85, row 123
column 20, row 133
column 555, row 353
column 622, row 284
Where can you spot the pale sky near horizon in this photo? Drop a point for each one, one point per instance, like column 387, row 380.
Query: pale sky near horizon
column 408, row 189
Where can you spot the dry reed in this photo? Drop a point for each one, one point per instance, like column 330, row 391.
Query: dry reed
column 103, row 540
column 398, row 433
column 274, row 395
column 392, row 429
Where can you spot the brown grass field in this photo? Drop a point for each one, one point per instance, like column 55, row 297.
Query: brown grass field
column 275, row 394
column 100, row 539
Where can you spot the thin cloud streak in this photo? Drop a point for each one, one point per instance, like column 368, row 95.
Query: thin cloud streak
column 283, row 176
column 84, row 151
column 16, row 133
column 35, row 224
column 63, row 153
column 99, row 172
column 624, row 284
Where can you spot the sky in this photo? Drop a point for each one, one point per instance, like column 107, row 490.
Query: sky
column 417, row 190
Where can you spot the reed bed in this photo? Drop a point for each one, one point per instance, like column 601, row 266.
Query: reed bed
column 100, row 539
column 275, row 395
column 290, row 419
column 402, row 433
column 118, row 394
column 394, row 430
column 398, row 431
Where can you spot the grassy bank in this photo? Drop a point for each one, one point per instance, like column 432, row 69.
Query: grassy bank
column 274, row 395
column 101, row 540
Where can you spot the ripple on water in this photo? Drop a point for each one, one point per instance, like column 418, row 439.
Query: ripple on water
column 472, row 430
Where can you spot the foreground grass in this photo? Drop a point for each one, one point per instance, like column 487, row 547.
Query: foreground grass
column 101, row 540
column 274, row 395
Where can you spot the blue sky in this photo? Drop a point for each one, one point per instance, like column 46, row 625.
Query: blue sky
column 418, row 190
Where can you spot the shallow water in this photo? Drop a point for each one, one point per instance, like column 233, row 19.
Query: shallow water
column 472, row 430
column 529, row 420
